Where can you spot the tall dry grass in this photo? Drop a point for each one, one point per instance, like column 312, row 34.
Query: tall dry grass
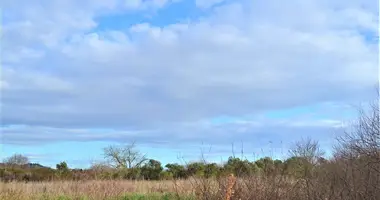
column 89, row 189
column 331, row 183
column 228, row 188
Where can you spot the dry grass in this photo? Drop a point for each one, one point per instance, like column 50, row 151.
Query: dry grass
column 89, row 189
column 321, row 187
column 96, row 190
column 211, row 189
column 230, row 186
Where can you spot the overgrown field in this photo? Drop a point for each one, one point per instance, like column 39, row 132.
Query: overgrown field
column 337, row 184
column 95, row 190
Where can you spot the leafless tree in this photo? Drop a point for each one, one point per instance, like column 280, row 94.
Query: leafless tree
column 358, row 152
column 125, row 156
column 308, row 150
column 16, row 159
column 363, row 138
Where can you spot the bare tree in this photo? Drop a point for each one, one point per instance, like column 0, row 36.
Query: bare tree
column 101, row 170
column 308, row 150
column 125, row 156
column 358, row 151
column 308, row 153
column 363, row 138
column 99, row 166
column 16, row 159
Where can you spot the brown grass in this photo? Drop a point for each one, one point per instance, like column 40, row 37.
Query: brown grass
column 90, row 189
column 230, row 186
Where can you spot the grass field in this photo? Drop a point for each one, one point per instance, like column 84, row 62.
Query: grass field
column 91, row 190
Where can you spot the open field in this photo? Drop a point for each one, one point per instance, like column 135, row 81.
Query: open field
column 334, row 180
column 95, row 190
column 192, row 188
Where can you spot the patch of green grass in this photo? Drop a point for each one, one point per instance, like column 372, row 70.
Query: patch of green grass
column 46, row 197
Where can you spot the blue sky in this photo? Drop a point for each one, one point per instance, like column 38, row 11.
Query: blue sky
column 181, row 77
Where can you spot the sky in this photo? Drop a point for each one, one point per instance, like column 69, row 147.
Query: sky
column 182, row 78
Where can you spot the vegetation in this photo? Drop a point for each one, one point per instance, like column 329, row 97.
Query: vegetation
column 16, row 159
column 352, row 173
column 91, row 190
column 124, row 156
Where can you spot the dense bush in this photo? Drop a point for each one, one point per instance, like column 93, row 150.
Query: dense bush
column 153, row 170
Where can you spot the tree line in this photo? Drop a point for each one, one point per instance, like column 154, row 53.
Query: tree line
column 127, row 162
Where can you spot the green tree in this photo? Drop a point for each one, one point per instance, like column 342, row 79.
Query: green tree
column 178, row 171
column 151, row 170
column 166, row 175
column 295, row 166
column 267, row 165
column 211, row 170
column 195, row 169
column 63, row 170
column 239, row 167
column 201, row 169
column 62, row 166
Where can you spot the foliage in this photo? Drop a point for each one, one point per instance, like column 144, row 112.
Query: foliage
column 62, row 167
column 22, row 174
column 16, row 159
column 177, row 171
column 152, row 170
column 63, row 170
column 240, row 167
column 196, row 169
column 202, row 169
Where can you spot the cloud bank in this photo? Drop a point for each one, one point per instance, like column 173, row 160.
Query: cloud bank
column 66, row 76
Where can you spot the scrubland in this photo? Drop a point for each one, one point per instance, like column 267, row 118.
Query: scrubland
column 352, row 173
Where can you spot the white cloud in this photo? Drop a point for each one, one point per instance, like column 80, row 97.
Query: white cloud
column 217, row 134
column 242, row 58
column 21, row 80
